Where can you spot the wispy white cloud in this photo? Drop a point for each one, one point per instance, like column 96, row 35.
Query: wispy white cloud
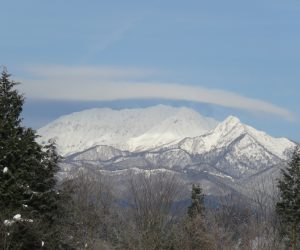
column 105, row 84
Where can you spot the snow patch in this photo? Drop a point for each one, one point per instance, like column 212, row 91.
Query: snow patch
column 17, row 217
column 8, row 222
column 219, row 175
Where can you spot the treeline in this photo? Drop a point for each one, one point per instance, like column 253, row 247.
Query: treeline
column 91, row 210
column 148, row 214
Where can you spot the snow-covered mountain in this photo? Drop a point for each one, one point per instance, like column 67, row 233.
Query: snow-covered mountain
column 224, row 154
column 229, row 131
column 128, row 129
column 238, row 149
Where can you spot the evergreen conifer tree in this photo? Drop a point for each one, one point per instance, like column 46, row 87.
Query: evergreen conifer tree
column 288, row 207
column 194, row 234
column 28, row 195
column 197, row 203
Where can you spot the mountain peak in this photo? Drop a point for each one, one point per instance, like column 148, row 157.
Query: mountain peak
column 245, row 138
column 232, row 120
column 231, row 125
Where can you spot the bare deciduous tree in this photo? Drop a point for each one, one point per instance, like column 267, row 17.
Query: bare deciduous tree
column 152, row 208
column 91, row 211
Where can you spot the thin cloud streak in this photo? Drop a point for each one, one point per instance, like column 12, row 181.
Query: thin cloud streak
column 100, row 42
column 80, row 90
column 68, row 73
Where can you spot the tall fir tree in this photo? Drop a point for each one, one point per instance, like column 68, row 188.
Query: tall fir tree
column 288, row 207
column 28, row 195
column 194, row 235
column 197, row 204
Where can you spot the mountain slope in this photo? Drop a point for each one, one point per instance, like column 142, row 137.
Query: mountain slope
column 186, row 123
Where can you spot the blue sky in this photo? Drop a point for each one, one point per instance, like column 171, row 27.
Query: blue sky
column 219, row 57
